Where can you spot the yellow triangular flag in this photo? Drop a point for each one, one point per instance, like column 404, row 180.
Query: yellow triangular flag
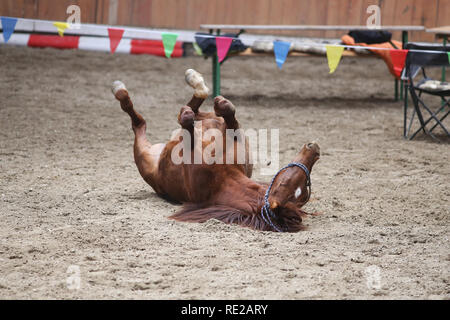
column 61, row 26
column 198, row 50
column 334, row 54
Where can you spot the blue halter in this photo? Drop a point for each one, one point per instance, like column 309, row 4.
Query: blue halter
column 267, row 213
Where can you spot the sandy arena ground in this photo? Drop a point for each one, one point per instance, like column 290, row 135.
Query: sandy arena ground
column 71, row 196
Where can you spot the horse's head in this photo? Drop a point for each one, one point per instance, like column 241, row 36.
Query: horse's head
column 291, row 187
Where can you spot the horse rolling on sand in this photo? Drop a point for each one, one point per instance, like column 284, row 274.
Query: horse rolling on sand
column 219, row 191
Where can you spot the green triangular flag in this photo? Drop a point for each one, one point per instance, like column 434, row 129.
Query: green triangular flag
column 169, row 40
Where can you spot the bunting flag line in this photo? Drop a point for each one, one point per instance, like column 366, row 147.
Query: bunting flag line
column 281, row 50
column 115, row 35
column 398, row 57
column 169, row 40
column 334, row 54
column 169, row 45
column 98, row 30
column 61, row 26
column 8, row 25
column 223, row 45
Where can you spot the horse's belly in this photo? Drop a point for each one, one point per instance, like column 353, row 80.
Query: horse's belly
column 196, row 177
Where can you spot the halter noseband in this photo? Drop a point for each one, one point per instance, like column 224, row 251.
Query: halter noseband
column 267, row 213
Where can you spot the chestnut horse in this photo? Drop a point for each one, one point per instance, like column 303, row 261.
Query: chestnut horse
column 221, row 191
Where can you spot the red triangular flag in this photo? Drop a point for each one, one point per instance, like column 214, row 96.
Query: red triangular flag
column 398, row 58
column 223, row 45
column 115, row 35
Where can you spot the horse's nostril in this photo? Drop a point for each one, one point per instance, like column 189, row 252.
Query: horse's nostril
column 314, row 146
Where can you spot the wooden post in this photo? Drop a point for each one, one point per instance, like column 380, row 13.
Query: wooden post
column 112, row 12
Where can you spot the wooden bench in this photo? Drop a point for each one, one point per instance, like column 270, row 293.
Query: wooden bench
column 215, row 29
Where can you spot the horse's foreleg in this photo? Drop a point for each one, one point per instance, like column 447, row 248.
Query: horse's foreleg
column 201, row 91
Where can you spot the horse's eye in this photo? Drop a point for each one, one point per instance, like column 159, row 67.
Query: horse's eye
column 298, row 192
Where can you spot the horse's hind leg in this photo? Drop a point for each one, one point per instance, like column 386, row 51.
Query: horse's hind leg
column 121, row 93
column 186, row 119
column 201, row 91
column 225, row 109
column 146, row 155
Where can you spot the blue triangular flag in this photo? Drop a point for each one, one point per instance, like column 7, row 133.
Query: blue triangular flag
column 8, row 25
column 281, row 50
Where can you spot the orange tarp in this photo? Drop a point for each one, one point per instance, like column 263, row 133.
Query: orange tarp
column 383, row 54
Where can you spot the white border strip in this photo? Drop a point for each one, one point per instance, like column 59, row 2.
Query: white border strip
column 18, row 39
column 103, row 44
column 84, row 43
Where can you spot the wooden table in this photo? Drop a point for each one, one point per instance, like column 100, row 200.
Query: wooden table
column 217, row 28
column 444, row 34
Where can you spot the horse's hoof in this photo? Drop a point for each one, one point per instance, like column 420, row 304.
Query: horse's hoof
column 118, row 85
column 223, row 107
column 187, row 117
column 119, row 90
column 196, row 81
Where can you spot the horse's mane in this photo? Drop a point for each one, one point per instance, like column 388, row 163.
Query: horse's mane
column 194, row 212
column 202, row 212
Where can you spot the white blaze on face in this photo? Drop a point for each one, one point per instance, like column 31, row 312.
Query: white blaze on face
column 298, row 192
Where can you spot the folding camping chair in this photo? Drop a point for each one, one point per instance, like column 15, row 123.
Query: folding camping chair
column 416, row 62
